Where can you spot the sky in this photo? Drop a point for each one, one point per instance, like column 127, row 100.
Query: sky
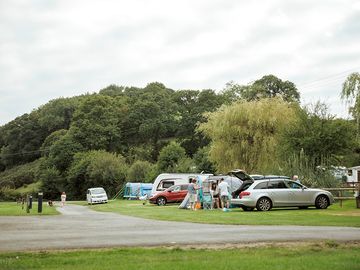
column 52, row 49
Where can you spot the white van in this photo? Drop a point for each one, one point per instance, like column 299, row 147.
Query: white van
column 96, row 195
column 166, row 180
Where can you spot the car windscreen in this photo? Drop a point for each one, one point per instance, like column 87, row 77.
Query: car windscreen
column 97, row 191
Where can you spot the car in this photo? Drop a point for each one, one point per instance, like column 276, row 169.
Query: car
column 175, row 193
column 274, row 193
column 96, row 195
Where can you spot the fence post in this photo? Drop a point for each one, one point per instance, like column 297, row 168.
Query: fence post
column 341, row 199
column 40, row 199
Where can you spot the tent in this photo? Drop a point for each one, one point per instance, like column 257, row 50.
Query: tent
column 137, row 190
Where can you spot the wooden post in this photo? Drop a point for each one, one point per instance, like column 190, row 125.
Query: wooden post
column 340, row 199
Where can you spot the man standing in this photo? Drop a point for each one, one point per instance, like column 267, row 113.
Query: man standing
column 224, row 193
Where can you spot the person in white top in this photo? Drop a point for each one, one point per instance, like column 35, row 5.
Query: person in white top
column 63, row 199
column 224, row 192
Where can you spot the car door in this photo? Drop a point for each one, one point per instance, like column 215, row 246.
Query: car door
column 278, row 193
column 298, row 194
column 176, row 193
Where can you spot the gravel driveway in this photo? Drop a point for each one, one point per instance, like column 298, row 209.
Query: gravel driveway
column 80, row 227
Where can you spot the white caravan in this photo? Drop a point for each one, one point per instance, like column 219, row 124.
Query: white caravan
column 166, row 180
column 96, row 195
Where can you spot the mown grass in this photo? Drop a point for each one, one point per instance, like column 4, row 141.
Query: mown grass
column 312, row 256
column 348, row 215
column 14, row 209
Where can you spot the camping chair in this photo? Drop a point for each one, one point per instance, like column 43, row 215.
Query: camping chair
column 207, row 201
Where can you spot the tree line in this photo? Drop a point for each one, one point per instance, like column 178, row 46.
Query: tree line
column 132, row 134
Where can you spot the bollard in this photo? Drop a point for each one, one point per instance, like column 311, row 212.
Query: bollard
column 40, row 199
column 30, row 202
column 27, row 204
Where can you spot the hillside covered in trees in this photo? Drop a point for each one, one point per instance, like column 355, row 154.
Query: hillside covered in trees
column 132, row 134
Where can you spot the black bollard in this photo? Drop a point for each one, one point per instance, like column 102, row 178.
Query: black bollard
column 27, row 204
column 40, row 199
column 30, row 202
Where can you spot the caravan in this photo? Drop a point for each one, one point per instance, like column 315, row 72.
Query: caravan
column 166, row 180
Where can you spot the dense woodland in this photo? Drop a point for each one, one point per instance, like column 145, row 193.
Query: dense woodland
column 126, row 134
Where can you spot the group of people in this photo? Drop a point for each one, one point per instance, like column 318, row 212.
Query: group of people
column 220, row 194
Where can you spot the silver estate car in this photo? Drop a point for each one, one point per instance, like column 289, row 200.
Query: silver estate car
column 270, row 193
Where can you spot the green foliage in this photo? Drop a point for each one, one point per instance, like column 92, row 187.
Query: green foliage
column 96, row 169
column 139, row 171
column 202, row 162
column 351, row 93
column 246, row 134
column 53, row 183
column 51, row 139
column 19, row 175
column 309, row 171
column 319, row 135
column 170, row 157
column 57, row 114
column 96, row 123
column 62, row 152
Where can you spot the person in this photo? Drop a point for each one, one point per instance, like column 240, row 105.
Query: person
column 296, row 179
column 215, row 195
column 224, row 193
column 192, row 192
column 63, row 199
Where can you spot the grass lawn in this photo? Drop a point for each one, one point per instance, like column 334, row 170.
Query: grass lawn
column 325, row 255
column 14, row 209
column 348, row 215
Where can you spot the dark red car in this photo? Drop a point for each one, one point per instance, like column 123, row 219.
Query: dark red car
column 174, row 193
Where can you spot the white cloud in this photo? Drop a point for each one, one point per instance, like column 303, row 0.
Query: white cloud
column 63, row 48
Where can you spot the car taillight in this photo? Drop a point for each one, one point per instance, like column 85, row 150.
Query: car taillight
column 244, row 193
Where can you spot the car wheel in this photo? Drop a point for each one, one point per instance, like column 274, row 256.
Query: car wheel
column 161, row 201
column 322, row 202
column 263, row 204
column 246, row 208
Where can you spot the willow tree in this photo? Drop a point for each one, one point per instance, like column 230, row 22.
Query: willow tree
column 247, row 134
column 351, row 94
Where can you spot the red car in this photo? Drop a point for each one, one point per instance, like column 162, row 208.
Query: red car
column 174, row 193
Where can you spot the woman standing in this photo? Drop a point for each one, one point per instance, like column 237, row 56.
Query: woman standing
column 63, row 199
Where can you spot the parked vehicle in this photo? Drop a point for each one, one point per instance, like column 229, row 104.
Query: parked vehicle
column 166, row 180
column 96, row 195
column 175, row 193
column 270, row 193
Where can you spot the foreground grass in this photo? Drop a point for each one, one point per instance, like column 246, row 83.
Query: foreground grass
column 14, row 209
column 348, row 215
column 325, row 255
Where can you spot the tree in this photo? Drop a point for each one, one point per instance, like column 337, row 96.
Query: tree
column 97, row 122
column 351, row 93
column 139, row 170
column 246, row 134
column 96, row 169
column 170, row 157
column 319, row 135
column 62, row 152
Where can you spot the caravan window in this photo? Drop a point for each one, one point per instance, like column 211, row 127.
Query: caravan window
column 349, row 172
column 165, row 184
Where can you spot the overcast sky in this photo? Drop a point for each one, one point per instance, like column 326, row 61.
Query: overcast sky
column 51, row 49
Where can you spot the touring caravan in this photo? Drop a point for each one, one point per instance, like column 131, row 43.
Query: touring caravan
column 166, row 180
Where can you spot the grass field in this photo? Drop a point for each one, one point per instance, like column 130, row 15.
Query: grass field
column 325, row 255
column 14, row 209
column 348, row 215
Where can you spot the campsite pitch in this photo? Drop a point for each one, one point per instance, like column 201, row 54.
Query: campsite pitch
column 14, row 209
column 348, row 215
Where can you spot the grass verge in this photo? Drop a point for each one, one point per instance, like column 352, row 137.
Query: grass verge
column 348, row 215
column 14, row 209
column 324, row 255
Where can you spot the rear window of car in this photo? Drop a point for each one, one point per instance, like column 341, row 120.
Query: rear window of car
column 262, row 185
column 276, row 184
